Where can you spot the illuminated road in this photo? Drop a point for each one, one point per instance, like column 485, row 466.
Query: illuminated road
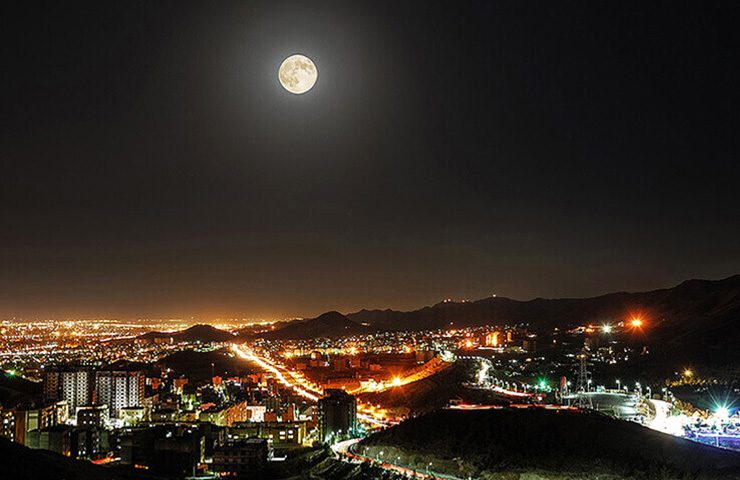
column 345, row 450
column 665, row 422
column 288, row 378
column 300, row 385
column 483, row 377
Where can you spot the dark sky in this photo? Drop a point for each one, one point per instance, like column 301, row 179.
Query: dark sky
column 153, row 166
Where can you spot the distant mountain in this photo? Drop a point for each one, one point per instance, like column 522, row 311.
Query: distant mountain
column 700, row 314
column 256, row 330
column 202, row 333
column 329, row 324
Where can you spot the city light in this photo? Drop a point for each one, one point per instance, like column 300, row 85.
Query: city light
column 722, row 412
column 295, row 370
column 636, row 322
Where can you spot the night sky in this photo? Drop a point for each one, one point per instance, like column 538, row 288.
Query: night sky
column 152, row 165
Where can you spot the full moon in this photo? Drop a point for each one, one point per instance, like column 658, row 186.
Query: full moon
column 298, row 74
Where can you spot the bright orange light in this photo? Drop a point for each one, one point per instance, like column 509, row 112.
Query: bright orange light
column 688, row 373
column 636, row 322
column 407, row 349
column 396, row 382
column 468, row 343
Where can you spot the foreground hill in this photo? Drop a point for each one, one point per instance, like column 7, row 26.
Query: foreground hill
column 320, row 463
column 22, row 463
column 329, row 325
column 701, row 315
column 547, row 445
column 196, row 333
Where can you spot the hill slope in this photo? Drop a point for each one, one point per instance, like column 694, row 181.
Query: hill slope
column 550, row 444
column 435, row 392
column 19, row 462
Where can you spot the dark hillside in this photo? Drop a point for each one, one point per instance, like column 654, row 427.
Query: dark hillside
column 582, row 445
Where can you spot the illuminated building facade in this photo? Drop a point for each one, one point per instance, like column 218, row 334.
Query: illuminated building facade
column 119, row 389
column 277, row 434
column 225, row 416
column 7, row 423
column 73, row 386
column 92, row 415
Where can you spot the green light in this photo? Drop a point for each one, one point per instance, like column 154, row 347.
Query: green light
column 12, row 373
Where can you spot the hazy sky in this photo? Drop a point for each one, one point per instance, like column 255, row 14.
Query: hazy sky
column 153, row 166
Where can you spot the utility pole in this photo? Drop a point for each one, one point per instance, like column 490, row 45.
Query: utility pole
column 583, row 400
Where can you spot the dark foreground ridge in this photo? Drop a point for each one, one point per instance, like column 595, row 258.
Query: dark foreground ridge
column 495, row 443
column 22, row 463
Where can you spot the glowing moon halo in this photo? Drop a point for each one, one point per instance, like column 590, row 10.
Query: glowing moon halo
column 298, row 74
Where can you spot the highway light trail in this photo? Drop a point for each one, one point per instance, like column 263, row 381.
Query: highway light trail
column 302, row 390
column 301, row 386
column 345, row 449
column 483, row 375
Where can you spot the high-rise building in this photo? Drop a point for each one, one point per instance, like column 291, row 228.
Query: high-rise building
column 119, row 389
column 337, row 415
column 74, row 386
